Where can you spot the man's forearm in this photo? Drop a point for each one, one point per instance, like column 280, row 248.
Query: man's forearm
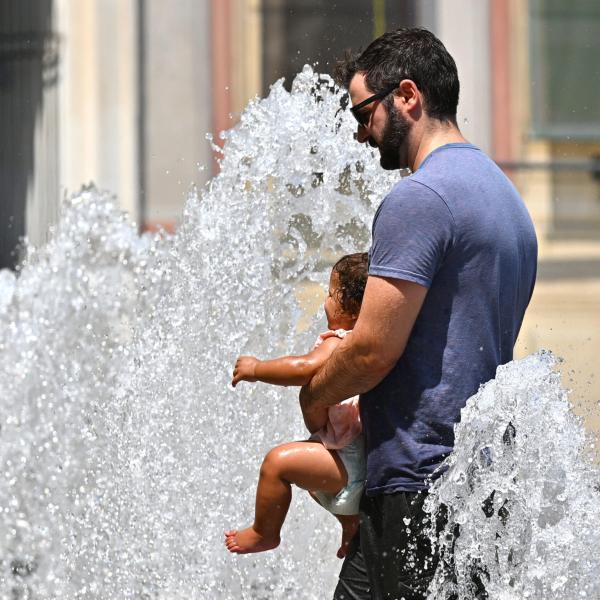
column 388, row 313
column 349, row 371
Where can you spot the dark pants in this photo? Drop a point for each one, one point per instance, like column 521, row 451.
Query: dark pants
column 390, row 558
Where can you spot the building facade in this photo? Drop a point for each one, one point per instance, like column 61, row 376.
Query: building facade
column 122, row 93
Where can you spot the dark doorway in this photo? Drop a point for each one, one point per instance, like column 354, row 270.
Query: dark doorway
column 296, row 32
column 27, row 55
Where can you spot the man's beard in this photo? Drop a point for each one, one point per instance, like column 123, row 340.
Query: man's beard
column 393, row 139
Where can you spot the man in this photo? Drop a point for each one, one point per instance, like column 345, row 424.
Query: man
column 452, row 269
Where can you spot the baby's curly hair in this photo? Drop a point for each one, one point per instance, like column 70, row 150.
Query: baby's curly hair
column 352, row 272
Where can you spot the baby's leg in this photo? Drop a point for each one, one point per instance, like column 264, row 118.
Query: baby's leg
column 349, row 525
column 308, row 465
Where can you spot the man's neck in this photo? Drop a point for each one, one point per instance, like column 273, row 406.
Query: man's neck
column 429, row 136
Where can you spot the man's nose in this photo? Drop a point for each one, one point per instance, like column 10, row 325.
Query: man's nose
column 361, row 135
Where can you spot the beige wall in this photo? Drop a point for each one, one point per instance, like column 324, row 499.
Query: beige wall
column 246, row 71
column 98, row 97
column 180, row 95
column 464, row 28
column 177, row 104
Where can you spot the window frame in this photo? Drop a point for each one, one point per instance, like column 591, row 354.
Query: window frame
column 539, row 127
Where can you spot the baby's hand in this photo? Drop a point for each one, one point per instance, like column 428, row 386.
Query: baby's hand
column 244, row 370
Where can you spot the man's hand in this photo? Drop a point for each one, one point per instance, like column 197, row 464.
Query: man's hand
column 307, row 400
column 245, row 369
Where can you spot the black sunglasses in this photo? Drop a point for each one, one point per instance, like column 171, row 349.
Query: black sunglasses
column 363, row 118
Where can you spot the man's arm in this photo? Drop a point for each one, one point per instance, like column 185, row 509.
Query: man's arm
column 389, row 311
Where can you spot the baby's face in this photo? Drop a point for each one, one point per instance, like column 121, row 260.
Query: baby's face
column 336, row 317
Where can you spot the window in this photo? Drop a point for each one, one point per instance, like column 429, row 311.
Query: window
column 296, row 32
column 565, row 70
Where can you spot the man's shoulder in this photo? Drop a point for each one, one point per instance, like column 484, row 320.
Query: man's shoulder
column 409, row 190
column 466, row 179
column 412, row 196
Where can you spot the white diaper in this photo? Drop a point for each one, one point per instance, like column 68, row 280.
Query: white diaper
column 346, row 501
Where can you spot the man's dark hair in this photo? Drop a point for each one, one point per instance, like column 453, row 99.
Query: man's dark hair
column 407, row 53
column 352, row 272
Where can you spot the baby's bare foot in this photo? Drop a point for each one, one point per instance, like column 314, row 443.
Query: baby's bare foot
column 349, row 526
column 248, row 540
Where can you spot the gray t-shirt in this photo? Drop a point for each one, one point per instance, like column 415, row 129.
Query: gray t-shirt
column 458, row 227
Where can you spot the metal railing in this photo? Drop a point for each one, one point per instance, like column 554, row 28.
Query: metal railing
column 591, row 166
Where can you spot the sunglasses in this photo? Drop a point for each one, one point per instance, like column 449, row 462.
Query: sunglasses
column 363, row 118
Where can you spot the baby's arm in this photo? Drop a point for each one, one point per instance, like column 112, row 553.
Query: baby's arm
column 287, row 370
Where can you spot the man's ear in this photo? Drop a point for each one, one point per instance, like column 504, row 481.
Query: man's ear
column 409, row 94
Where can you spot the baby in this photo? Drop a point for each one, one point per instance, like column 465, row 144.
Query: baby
column 331, row 464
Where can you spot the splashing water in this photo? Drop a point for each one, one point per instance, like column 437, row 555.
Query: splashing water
column 125, row 453
column 521, row 492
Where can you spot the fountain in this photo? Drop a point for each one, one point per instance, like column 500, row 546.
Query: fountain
column 521, row 490
column 124, row 451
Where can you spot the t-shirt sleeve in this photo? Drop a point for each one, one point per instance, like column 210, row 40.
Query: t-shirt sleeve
column 412, row 233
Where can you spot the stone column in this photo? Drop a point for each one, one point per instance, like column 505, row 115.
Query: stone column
column 464, row 28
column 98, row 97
column 178, row 105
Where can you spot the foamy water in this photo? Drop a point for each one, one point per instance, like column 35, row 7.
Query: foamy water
column 124, row 451
column 522, row 492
